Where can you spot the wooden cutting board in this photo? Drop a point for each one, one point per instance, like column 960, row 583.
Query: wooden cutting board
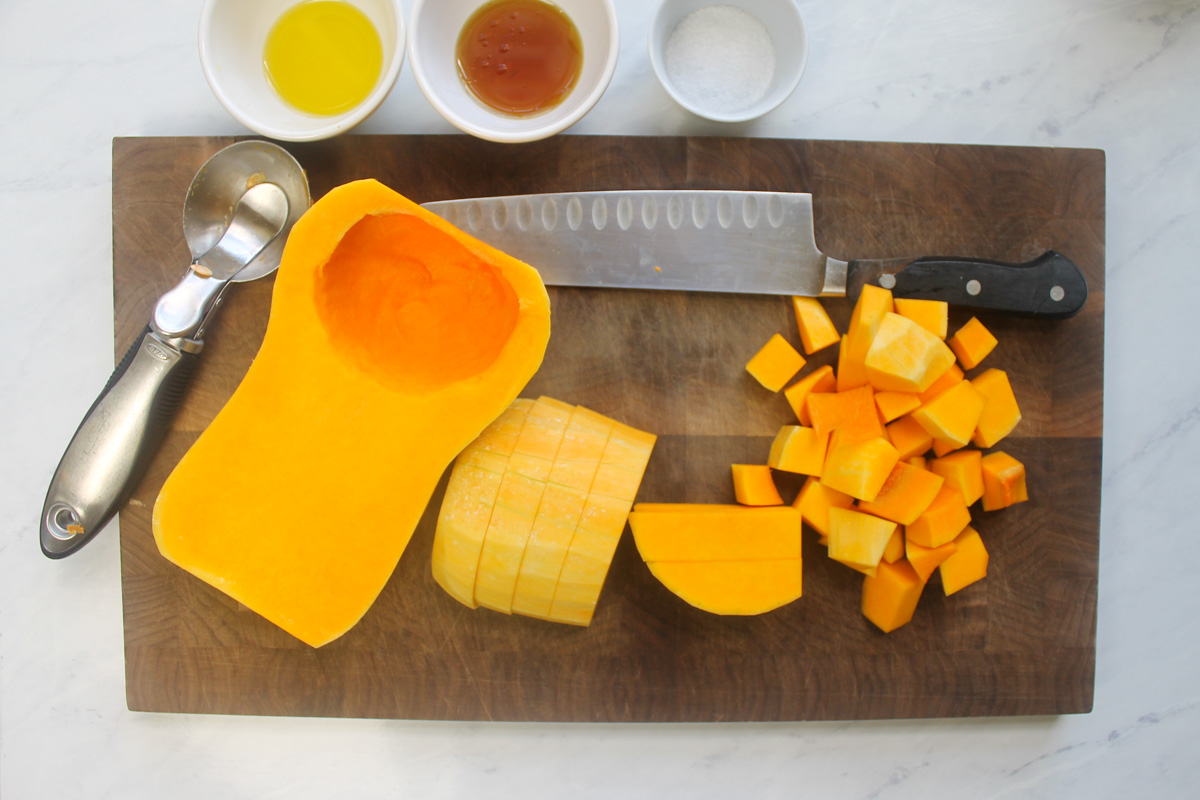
column 1020, row 642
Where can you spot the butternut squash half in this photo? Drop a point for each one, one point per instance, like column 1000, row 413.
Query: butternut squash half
column 394, row 339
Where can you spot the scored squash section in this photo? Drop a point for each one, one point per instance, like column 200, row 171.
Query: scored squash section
column 552, row 522
column 393, row 340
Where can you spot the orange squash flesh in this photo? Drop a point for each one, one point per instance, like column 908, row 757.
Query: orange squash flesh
column 798, row 449
column 741, row 588
column 966, row 565
column 814, row 502
column 972, row 343
column 776, row 363
column 820, row 379
column 754, row 486
column 393, row 340
column 815, row 327
column 890, row 596
column 905, row 495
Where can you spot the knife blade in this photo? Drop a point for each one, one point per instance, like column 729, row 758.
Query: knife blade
column 739, row 242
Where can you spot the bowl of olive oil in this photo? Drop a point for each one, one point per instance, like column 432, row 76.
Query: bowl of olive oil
column 301, row 70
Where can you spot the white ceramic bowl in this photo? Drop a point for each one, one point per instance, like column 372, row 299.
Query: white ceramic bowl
column 433, row 30
column 786, row 28
column 232, row 35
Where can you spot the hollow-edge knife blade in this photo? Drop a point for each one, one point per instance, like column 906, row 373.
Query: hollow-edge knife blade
column 712, row 241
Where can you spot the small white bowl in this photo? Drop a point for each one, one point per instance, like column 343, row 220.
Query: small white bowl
column 782, row 20
column 433, row 30
column 232, row 35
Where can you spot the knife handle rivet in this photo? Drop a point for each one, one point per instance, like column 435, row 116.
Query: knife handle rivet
column 1057, row 293
column 974, row 287
column 887, row 281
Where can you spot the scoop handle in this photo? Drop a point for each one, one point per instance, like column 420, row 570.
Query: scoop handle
column 114, row 444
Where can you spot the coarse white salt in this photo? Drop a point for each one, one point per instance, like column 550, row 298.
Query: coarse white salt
column 720, row 58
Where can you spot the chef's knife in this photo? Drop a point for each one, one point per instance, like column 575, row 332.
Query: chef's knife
column 743, row 242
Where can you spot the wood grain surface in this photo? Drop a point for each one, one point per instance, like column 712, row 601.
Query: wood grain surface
column 1020, row 642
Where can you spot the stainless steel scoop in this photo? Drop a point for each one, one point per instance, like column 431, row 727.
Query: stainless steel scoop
column 236, row 216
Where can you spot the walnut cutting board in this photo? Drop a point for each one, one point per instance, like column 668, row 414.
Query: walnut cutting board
column 1020, row 642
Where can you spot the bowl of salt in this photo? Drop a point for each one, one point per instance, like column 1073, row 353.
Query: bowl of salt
column 730, row 61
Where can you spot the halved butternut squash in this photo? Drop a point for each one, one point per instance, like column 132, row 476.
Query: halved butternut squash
column 393, row 340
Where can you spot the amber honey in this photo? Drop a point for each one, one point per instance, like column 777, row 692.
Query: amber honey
column 520, row 57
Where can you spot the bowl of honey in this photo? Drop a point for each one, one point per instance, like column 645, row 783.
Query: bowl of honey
column 301, row 70
column 513, row 70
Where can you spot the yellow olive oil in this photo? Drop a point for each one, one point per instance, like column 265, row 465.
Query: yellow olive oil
column 323, row 57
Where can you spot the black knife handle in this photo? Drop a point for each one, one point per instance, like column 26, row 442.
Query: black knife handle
column 1048, row 287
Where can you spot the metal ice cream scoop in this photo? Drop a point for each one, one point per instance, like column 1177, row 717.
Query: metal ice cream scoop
column 238, row 211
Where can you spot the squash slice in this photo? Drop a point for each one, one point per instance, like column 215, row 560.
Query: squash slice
column 393, row 340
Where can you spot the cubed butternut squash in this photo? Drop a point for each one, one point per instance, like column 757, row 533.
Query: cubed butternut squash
column 972, row 343
column 1000, row 413
column 821, row 379
column 945, row 518
column 851, row 412
column 1003, row 481
column 753, row 485
column 814, row 501
column 905, row 495
column 893, row 405
column 816, row 328
column 925, row 560
column 776, row 363
column 966, row 565
column 904, row 357
column 890, row 596
column 952, row 415
column 858, row 467
column 964, row 471
column 858, row 539
column 932, row 315
column 908, row 437
column 798, row 449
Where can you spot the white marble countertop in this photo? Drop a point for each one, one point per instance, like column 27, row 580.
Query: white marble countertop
column 1112, row 74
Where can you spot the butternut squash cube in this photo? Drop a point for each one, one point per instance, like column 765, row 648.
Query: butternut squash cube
column 715, row 532
column 925, row 560
column 948, row 378
column 754, row 486
column 814, row 501
column 964, row 471
column 776, row 363
column 1000, row 411
column 858, row 467
column 819, row 380
column 739, row 588
column 894, row 550
column 908, row 437
column 932, row 315
column 966, row 565
column 816, row 328
column 858, row 539
column 945, row 518
column 972, row 343
column 869, row 310
column 942, row 447
column 852, row 412
column 917, row 461
column 798, row 449
column 952, row 415
column 850, row 374
column 890, row 597
column 893, row 405
column 904, row 357
column 1003, row 481
column 905, row 495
